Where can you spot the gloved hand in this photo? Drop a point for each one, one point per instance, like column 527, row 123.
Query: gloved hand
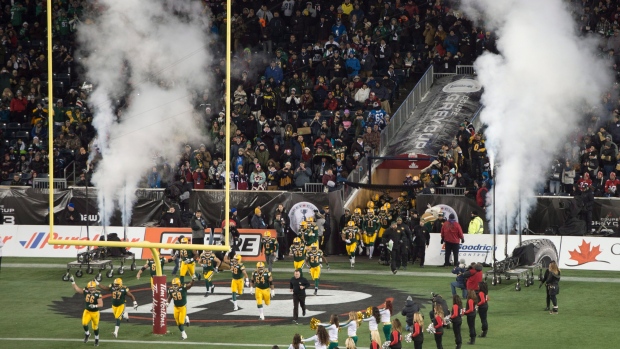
column 135, row 305
column 96, row 282
column 93, row 306
column 72, row 279
column 328, row 268
column 442, row 241
column 347, row 241
column 251, row 290
column 273, row 293
column 463, row 241
column 216, row 270
column 247, row 282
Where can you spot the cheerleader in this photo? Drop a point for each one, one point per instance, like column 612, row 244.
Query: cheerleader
column 386, row 314
column 321, row 338
column 332, row 330
column 438, row 324
column 375, row 340
column 483, row 306
column 457, row 321
column 396, row 337
column 418, row 331
column 470, row 311
column 350, row 344
column 297, row 344
column 552, row 279
column 373, row 323
column 351, row 326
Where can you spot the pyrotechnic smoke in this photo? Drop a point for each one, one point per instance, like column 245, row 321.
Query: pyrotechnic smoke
column 534, row 93
column 155, row 54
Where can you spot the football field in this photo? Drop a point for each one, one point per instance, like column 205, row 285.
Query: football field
column 39, row 310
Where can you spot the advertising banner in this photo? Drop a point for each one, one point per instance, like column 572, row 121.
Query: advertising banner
column 32, row 240
column 28, row 205
column 250, row 248
column 436, row 119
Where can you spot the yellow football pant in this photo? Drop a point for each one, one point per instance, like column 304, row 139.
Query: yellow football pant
column 351, row 249
column 179, row 314
column 298, row 265
column 118, row 311
column 315, row 272
column 187, row 267
column 91, row 316
column 236, row 286
column 263, row 295
column 208, row 275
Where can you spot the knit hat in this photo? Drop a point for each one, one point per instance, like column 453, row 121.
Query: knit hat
column 257, row 210
column 71, row 205
column 409, row 298
column 452, row 216
column 233, row 210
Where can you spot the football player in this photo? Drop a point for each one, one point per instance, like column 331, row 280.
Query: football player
column 359, row 222
column 188, row 261
column 238, row 275
column 314, row 259
column 150, row 265
column 311, row 232
column 269, row 245
column 349, row 234
column 92, row 303
column 263, row 282
column 119, row 292
column 178, row 293
column 371, row 227
column 210, row 265
column 299, row 254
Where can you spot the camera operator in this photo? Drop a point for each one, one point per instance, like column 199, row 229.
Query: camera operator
column 437, row 299
column 198, row 225
column 170, row 219
column 410, row 308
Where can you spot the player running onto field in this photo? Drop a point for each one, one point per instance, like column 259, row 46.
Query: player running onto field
column 263, row 282
column 92, row 303
column 119, row 292
column 238, row 275
column 188, row 261
column 314, row 259
column 299, row 254
column 269, row 245
column 210, row 265
column 150, row 265
column 178, row 293
column 349, row 234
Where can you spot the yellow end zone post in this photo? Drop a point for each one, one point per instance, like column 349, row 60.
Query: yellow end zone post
column 145, row 244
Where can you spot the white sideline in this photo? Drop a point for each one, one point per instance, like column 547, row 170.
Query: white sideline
column 179, row 342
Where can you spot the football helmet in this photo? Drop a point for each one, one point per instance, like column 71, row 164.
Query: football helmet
column 267, row 234
column 371, row 211
column 296, row 241
column 310, row 219
column 118, row 282
column 185, row 241
column 207, row 253
column 176, row 282
column 314, row 247
column 375, row 197
column 387, row 205
column 260, row 266
column 91, row 285
column 384, row 209
column 358, row 211
column 404, row 194
column 370, row 204
column 303, row 225
column 237, row 258
column 351, row 224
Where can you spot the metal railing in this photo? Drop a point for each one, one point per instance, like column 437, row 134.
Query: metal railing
column 43, row 183
column 314, row 187
column 449, row 191
column 404, row 112
column 460, row 69
column 67, row 174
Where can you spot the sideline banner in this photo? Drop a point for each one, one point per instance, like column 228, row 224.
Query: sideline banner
column 250, row 241
column 32, row 240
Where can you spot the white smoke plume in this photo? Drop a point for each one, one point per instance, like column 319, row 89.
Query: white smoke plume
column 534, row 93
column 154, row 53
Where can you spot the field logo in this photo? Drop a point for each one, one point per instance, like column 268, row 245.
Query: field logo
column 586, row 254
column 300, row 212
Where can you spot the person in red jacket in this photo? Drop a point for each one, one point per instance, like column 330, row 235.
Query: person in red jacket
column 470, row 311
column 438, row 324
column 457, row 321
column 451, row 233
column 481, row 195
column 199, row 177
column 483, row 306
column 396, row 337
column 418, row 331
column 611, row 185
column 473, row 276
column 18, row 107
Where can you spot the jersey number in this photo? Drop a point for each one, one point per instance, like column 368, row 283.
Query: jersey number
column 117, row 294
column 90, row 298
column 314, row 259
column 177, row 296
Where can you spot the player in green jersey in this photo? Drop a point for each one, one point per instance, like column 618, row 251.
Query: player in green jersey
column 263, row 282
column 178, row 293
column 150, row 265
column 188, row 261
column 210, row 265
column 349, row 236
column 371, row 228
column 119, row 292
column 269, row 245
column 314, row 258
column 238, row 274
column 299, row 254
column 93, row 301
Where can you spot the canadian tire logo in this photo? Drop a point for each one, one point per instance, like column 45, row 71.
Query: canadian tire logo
column 217, row 308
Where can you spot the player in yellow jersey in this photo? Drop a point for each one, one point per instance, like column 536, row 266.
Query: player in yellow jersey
column 314, row 259
column 349, row 236
column 119, row 292
column 188, row 261
column 93, row 301
column 210, row 265
column 238, row 274
column 263, row 282
column 178, row 292
column 299, row 254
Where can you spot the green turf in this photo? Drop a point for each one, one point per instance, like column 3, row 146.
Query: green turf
column 516, row 319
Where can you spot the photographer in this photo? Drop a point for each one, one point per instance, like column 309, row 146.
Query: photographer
column 302, row 175
column 410, row 308
column 170, row 219
column 198, row 225
column 285, row 176
column 460, row 279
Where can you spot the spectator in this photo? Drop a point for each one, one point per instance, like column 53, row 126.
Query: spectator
column 459, row 271
column 258, row 178
column 258, row 221
column 410, row 308
column 154, row 178
column 170, row 219
column 302, row 175
column 476, row 225
column 329, row 179
column 451, row 233
column 71, row 216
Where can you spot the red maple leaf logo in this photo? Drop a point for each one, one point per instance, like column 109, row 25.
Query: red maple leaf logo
column 585, row 254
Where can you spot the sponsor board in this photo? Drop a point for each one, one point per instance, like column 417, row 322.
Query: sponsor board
column 590, row 253
column 33, row 240
column 217, row 309
column 8, row 213
column 250, row 248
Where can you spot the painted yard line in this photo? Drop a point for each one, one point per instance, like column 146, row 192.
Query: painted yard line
column 101, row 341
column 337, row 271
